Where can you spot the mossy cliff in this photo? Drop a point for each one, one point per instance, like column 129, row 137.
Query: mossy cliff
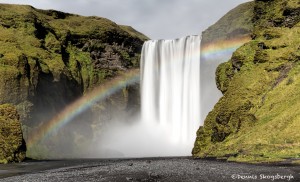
column 12, row 144
column 232, row 30
column 257, row 119
column 49, row 58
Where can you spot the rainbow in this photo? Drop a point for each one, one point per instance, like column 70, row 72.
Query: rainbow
column 221, row 47
column 111, row 86
column 82, row 104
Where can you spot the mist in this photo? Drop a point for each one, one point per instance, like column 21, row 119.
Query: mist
column 138, row 139
column 119, row 132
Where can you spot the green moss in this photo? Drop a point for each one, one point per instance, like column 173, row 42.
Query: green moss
column 223, row 75
column 236, row 22
column 50, row 58
column 42, row 35
column 134, row 33
column 57, row 41
column 257, row 118
column 12, row 147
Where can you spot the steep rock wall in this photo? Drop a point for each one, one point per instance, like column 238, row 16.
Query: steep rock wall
column 218, row 43
column 257, row 118
column 48, row 59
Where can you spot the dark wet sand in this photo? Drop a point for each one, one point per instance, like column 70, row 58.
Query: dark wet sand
column 146, row 169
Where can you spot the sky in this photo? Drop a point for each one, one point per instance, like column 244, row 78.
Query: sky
column 158, row 19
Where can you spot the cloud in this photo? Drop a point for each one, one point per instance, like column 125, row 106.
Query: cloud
column 158, row 19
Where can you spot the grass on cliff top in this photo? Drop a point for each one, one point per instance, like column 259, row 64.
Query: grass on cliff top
column 134, row 32
column 39, row 34
column 83, row 25
column 235, row 22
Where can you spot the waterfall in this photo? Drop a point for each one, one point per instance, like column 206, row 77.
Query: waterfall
column 170, row 99
column 170, row 88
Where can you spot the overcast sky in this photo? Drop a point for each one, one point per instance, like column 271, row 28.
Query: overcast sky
column 158, row 19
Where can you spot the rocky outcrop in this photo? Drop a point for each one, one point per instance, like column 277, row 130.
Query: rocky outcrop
column 257, row 118
column 48, row 59
column 12, row 144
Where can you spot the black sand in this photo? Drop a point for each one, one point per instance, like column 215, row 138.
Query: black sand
column 148, row 169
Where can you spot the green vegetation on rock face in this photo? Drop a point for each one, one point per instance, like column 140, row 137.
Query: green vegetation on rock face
column 49, row 37
column 231, row 31
column 49, row 58
column 133, row 32
column 237, row 22
column 257, row 119
column 12, row 144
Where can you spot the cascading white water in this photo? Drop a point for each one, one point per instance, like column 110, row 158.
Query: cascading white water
column 170, row 88
column 170, row 96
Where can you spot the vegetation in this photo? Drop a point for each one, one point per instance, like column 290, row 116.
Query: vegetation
column 48, row 35
column 49, row 58
column 257, row 119
column 12, row 145
column 237, row 22
column 133, row 32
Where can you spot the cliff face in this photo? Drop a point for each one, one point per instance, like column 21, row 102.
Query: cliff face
column 218, row 43
column 48, row 59
column 257, row 119
column 12, row 144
